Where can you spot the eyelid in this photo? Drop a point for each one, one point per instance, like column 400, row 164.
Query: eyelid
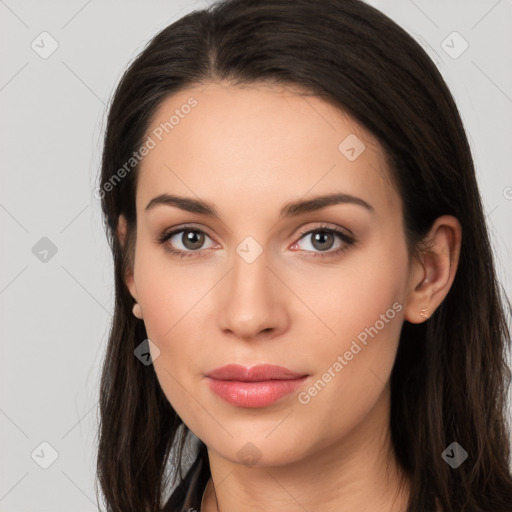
column 184, row 227
column 324, row 226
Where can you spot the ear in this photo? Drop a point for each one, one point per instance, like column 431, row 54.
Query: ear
column 128, row 276
column 431, row 278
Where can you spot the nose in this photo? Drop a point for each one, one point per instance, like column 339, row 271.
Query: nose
column 253, row 301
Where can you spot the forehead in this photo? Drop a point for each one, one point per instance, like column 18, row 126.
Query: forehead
column 217, row 140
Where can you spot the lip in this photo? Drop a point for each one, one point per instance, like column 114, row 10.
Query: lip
column 257, row 386
column 257, row 373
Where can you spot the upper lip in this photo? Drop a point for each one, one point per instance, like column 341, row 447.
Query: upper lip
column 260, row 372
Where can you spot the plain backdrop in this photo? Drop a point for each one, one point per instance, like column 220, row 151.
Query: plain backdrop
column 56, row 286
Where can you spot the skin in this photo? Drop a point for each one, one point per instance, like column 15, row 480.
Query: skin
column 248, row 151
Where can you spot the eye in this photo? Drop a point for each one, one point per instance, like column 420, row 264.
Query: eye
column 188, row 241
column 185, row 241
column 323, row 239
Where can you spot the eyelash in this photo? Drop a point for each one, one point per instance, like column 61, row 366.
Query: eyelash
column 348, row 241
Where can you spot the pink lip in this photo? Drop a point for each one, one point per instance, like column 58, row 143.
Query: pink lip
column 258, row 386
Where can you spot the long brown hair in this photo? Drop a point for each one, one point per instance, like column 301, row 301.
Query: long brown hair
column 450, row 378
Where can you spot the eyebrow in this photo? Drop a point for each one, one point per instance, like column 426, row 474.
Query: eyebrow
column 290, row 209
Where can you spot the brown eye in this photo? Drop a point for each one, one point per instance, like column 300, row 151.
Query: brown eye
column 185, row 242
column 192, row 240
column 322, row 240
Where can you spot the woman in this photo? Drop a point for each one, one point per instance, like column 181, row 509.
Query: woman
column 300, row 251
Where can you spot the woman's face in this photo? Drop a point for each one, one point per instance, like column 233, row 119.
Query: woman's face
column 263, row 282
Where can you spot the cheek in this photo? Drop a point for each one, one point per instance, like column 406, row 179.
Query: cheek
column 354, row 294
column 167, row 289
column 171, row 305
column 360, row 312
column 173, row 299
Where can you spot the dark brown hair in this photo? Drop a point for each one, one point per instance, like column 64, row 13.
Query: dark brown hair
column 450, row 378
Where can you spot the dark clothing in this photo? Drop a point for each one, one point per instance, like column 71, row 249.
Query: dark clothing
column 187, row 496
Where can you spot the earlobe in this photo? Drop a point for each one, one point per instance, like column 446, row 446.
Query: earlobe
column 137, row 311
column 432, row 277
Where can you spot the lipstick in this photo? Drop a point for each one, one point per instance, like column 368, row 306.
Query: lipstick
column 257, row 386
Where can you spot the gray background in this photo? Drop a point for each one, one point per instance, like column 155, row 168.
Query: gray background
column 56, row 313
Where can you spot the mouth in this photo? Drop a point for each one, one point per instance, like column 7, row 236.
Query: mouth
column 257, row 386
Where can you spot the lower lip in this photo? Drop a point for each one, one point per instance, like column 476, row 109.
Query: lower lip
column 253, row 394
